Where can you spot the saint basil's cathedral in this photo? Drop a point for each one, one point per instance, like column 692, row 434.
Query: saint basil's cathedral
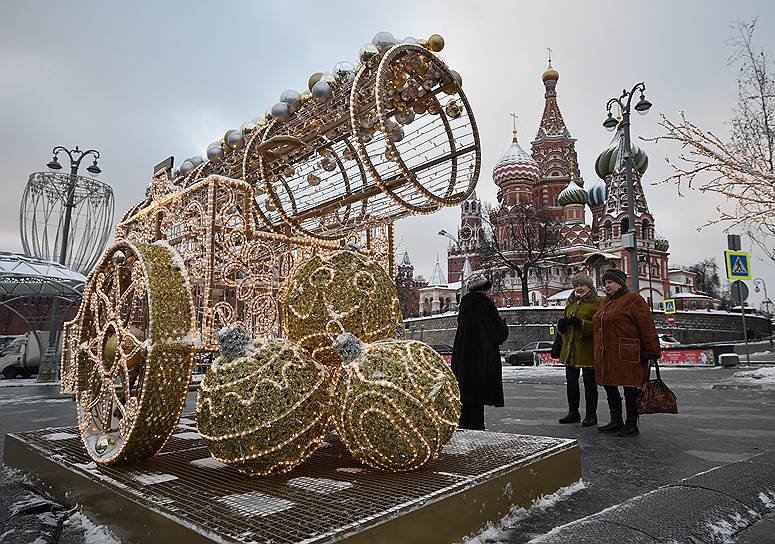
column 549, row 179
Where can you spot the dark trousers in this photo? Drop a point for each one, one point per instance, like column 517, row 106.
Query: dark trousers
column 472, row 416
column 574, row 394
column 615, row 403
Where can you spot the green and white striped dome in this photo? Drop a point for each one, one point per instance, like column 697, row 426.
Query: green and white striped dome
column 572, row 194
column 612, row 158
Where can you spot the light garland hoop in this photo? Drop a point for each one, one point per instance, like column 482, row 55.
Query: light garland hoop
column 135, row 352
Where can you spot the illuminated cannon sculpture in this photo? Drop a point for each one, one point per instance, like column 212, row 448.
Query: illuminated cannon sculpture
column 216, row 241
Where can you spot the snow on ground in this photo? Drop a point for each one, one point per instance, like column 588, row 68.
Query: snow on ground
column 531, row 372
column 93, row 534
column 763, row 375
column 24, row 382
column 497, row 533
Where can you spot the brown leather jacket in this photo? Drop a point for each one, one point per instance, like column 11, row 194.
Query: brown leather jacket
column 624, row 336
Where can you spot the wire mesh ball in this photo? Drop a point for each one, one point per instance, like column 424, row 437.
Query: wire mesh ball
column 342, row 292
column 396, row 403
column 264, row 412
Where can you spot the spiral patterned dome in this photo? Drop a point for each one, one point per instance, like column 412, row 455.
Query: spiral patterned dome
column 609, row 160
column 515, row 165
column 572, row 194
column 597, row 194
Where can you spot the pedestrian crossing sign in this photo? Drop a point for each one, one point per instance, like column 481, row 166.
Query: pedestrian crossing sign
column 738, row 265
column 669, row 305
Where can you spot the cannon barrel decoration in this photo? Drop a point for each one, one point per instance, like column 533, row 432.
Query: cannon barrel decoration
column 216, row 241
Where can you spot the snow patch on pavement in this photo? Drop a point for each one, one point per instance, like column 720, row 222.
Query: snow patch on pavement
column 92, row 534
column 497, row 533
column 764, row 375
column 724, row 529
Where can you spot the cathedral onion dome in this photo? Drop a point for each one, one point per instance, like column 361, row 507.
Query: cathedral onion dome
column 550, row 73
column 597, row 194
column 572, row 194
column 612, row 159
column 515, row 165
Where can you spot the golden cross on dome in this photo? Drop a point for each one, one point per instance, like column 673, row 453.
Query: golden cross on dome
column 514, row 118
column 550, row 56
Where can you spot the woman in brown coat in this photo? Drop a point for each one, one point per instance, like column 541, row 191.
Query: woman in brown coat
column 578, row 352
column 625, row 341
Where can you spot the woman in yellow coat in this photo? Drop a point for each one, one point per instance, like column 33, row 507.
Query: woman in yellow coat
column 578, row 349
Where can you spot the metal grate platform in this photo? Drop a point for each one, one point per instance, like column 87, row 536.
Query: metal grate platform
column 184, row 495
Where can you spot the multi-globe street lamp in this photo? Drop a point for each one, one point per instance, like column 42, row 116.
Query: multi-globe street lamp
column 624, row 102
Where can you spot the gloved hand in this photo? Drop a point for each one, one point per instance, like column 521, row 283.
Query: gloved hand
column 646, row 358
column 574, row 321
column 562, row 325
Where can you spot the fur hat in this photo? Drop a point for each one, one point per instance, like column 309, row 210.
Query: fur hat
column 582, row 279
column 479, row 283
column 615, row 275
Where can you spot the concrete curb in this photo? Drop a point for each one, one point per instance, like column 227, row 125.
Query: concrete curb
column 709, row 507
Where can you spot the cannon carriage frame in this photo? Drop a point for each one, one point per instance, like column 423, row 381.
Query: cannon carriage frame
column 219, row 245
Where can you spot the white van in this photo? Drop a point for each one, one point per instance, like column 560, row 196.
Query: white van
column 22, row 355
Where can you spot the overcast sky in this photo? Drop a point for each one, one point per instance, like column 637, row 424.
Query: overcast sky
column 141, row 81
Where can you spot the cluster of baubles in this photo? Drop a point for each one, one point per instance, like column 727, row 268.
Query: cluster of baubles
column 265, row 406
column 413, row 77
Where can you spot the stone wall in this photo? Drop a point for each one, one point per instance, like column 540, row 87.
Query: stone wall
column 532, row 324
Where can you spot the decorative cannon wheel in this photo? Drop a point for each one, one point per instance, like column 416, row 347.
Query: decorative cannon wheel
column 135, row 353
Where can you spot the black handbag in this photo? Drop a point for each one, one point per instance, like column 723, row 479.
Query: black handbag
column 556, row 346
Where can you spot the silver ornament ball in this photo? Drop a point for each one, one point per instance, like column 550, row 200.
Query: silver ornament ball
column 214, row 152
column 281, row 112
column 293, row 99
column 235, row 139
column 384, row 41
column 322, row 92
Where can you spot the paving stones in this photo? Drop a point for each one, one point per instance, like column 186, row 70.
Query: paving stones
column 711, row 507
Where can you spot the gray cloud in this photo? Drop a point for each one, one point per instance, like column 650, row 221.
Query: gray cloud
column 144, row 80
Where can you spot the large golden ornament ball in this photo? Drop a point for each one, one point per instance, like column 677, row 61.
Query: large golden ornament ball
column 134, row 354
column 265, row 412
column 436, row 43
column 396, row 405
column 341, row 292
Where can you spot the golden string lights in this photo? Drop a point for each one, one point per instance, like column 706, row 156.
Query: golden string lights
column 266, row 411
column 216, row 243
column 341, row 292
column 396, row 402
column 134, row 352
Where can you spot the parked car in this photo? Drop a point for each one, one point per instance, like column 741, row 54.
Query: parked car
column 7, row 339
column 525, row 356
column 667, row 341
column 22, row 356
column 444, row 350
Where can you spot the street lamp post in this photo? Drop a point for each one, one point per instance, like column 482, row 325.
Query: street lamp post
column 75, row 156
column 47, row 370
column 757, row 282
column 647, row 260
column 643, row 106
column 443, row 232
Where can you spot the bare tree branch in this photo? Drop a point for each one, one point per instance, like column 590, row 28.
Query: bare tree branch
column 742, row 170
column 519, row 239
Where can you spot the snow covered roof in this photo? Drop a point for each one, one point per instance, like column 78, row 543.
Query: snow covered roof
column 690, row 295
column 22, row 275
column 561, row 295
